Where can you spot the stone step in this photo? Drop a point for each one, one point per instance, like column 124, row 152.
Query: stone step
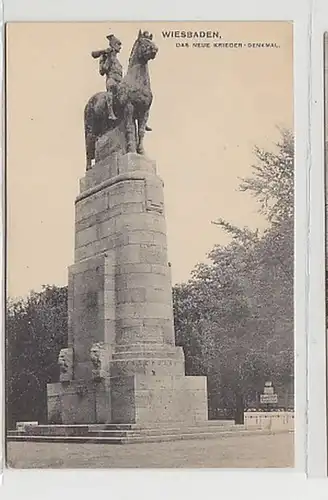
column 118, row 427
column 128, row 433
column 135, row 439
column 43, row 430
column 161, row 432
column 165, row 425
column 108, row 430
column 84, row 429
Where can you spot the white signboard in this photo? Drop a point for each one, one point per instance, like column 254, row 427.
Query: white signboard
column 269, row 398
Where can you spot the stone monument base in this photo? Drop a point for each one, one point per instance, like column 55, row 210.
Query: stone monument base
column 135, row 399
column 130, row 433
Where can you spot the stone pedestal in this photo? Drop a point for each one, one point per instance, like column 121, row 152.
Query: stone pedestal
column 122, row 365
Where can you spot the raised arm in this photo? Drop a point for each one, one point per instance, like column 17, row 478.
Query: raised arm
column 98, row 53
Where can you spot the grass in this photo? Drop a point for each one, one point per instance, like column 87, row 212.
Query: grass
column 247, row 451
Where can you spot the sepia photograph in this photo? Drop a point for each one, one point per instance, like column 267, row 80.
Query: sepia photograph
column 150, row 245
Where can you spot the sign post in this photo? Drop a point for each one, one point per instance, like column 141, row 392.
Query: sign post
column 268, row 397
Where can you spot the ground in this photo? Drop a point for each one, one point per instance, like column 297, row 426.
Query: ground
column 250, row 451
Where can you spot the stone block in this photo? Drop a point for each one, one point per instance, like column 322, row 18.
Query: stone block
column 70, row 307
column 103, row 402
column 101, row 171
column 92, row 278
column 127, row 322
column 79, row 404
column 109, row 297
column 138, row 334
column 109, row 331
column 109, row 283
column 92, row 205
column 123, row 400
column 157, row 295
column 132, row 162
column 146, row 221
column 110, row 311
column 153, row 254
column 153, row 399
column 92, row 263
column 83, row 184
column 86, row 236
column 131, row 295
column 141, row 280
column 92, row 220
column 168, row 402
column 109, row 145
column 161, row 269
column 87, row 317
column 152, row 333
column 141, row 237
column 192, row 383
column 129, row 191
column 159, row 238
column 168, row 332
column 94, row 249
column 54, row 403
column 65, row 362
column 127, row 208
column 123, row 269
column 110, row 262
column 107, row 228
column 129, row 254
column 143, row 310
column 83, row 369
column 147, row 350
column 100, row 355
column 154, row 195
column 146, row 365
column 133, row 330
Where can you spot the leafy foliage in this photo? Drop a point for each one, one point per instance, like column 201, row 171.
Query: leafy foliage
column 234, row 317
column 36, row 330
column 272, row 182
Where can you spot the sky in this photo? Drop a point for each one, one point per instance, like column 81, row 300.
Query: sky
column 211, row 107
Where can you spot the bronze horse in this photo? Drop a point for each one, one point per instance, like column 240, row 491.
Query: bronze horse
column 131, row 103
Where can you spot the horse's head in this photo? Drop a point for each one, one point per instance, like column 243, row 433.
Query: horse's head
column 144, row 49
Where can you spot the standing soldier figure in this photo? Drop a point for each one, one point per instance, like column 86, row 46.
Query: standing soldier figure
column 110, row 67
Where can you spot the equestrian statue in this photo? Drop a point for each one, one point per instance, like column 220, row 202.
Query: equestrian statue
column 120, row 113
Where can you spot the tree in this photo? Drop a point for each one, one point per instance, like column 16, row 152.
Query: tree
column 234, row 317
column 36, row 330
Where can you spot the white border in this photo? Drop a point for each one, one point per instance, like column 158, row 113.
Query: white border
column 203, row 483
column 317, row 422
column 2, row 256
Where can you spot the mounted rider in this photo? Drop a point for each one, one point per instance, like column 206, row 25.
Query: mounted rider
column 111, row 68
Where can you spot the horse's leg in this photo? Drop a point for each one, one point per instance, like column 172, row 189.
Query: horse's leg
column 88, row 133
column 142, row 122
column 90, row 149
column 129, row 128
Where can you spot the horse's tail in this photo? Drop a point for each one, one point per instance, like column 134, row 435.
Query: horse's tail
column 89, row 132
column 88, row 117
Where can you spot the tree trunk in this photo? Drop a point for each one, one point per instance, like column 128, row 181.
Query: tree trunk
column 239, row 414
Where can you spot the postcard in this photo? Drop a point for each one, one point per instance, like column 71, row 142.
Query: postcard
column 150, row 247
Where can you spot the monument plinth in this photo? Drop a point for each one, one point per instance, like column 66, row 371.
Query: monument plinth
column 123, row 363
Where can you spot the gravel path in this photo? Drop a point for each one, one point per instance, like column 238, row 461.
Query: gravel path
column 251, row 451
